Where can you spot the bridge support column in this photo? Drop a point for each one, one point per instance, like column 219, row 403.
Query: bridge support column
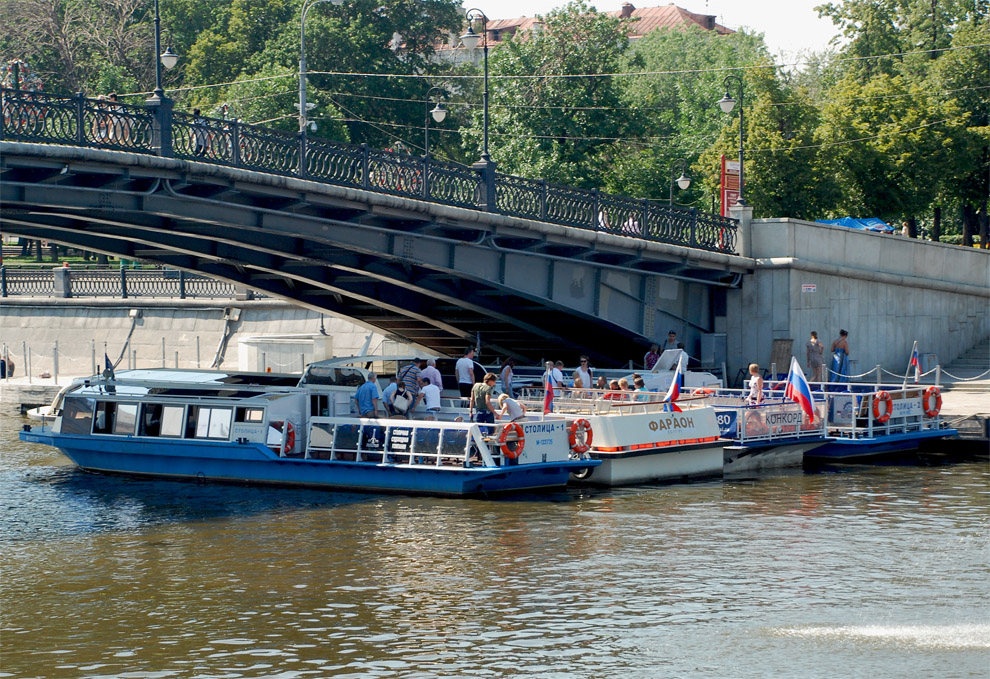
column 486, row 168
column 744, row 234
column 161, row 140
column 63, row 281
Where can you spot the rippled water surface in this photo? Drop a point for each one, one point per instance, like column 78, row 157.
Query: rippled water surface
column 862, row 572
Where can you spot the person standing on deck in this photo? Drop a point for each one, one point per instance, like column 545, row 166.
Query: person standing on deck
column 366, row 397
column 431, row 373
column 840, row 358
column 651, row 357
column 755, row 395
column 585, row 373
column 671, row 342
column 815, row 349
column 464, row 368
column 482, row 409
column 507, row 385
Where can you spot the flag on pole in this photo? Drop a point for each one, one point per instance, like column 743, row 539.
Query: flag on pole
column 798, row 389
column 915, row 362
column 109, row 365
column 548, row 393
column 676, row 384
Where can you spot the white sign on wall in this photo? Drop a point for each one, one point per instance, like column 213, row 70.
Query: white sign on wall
column 809, row 287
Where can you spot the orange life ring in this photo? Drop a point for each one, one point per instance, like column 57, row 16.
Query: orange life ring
column 290, row 435
column 702, row 391
column 520, row 441
column 577, row 427
column 926, row 401
column 878, row 398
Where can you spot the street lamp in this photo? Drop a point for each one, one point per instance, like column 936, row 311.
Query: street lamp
column 303, row 108
column 727, row 103
column 168, row 58
column 438, row 113
column 683, row 181
column 470, row 40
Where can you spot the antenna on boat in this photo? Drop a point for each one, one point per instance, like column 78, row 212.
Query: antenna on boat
column 366, row 347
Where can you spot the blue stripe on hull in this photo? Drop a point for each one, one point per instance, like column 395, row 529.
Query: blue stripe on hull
column 256, row 464
column 845, row 448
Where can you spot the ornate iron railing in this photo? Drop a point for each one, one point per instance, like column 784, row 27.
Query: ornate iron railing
column 121, row 283
column 39, row 117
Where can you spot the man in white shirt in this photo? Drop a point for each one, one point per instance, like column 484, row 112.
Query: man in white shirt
column 464, row 368
column 430, row 394
column 584, row 372
column 557, row 374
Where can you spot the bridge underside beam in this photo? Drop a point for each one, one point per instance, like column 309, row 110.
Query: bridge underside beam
column 436, row 280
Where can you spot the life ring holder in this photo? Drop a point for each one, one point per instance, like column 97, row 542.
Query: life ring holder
column 926, row 401
column 520, row 440
column 878, row 398
column 580, row 426
column 289, row 431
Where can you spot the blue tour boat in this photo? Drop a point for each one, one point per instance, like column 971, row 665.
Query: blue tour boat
column 286, row 430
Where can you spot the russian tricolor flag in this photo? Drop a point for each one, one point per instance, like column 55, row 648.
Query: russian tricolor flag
column 548, row 394
column 798, row 389
column 676, row 384
column 916, row 363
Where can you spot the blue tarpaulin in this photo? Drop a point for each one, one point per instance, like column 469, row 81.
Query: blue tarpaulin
column 864, row 223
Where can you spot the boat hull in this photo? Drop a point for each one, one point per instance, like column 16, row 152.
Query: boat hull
column 691, row 461
column 772, row 455
column 865, row 447
column 253, row 463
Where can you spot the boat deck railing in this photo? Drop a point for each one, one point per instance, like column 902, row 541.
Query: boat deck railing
column 570, row 401
column 767, row 421
column 411, row 442
column 862, row 422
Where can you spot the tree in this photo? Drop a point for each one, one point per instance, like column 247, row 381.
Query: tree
column 545, row 124
column 675, row 103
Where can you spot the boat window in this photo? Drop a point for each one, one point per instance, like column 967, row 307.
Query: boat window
column 126, row 419
column 319, row 405
column 209, row 423
column 103, row 421
column 77, row 415
column 172, row 419
column 254, row 415
column 220, row 423
column 151, row 419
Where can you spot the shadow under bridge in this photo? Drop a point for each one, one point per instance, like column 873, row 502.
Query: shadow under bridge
column 438, row 276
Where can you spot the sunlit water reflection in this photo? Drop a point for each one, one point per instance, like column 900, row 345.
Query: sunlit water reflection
column 855, row 572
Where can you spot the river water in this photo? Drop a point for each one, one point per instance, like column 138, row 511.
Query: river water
column 859, row 571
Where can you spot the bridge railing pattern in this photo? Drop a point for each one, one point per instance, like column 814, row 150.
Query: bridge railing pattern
column 45, row 118
column 125, row 283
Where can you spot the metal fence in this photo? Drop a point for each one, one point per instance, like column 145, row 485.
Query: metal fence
column 125, row 283
column 40, row 117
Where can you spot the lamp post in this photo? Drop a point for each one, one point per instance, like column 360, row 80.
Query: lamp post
column 470, row 40
column 168, row 58
column 438, row 113
column 309, row 4
column 727, row 103
column 683, row 181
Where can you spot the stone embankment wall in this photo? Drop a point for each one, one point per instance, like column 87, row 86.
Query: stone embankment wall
column 886, row 291
column 84, row 327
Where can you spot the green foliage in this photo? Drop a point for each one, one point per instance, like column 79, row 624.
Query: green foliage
column 561, row 129
column 894, row 121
